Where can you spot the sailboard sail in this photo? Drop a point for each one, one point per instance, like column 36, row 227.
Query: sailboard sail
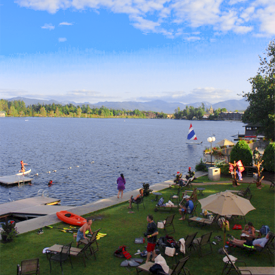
column 191, row 134
column 192, row 138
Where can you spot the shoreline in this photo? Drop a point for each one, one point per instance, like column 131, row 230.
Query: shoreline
column 50, row 219
column 36, row 223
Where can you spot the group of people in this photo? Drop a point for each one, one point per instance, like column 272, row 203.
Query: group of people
column 249, row 237
column 183, row 181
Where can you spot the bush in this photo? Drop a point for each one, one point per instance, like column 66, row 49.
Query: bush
column 224, row 168
column 241, row 151
column 268, row 157
column 201, row 166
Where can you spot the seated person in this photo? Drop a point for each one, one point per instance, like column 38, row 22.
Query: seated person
column 187, row 208
column 178, row 178
column 132, row 199
column 257, row 242
column 190, row 174
column 249, row 230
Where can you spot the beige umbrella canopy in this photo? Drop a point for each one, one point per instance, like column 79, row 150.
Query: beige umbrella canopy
column 226, row 203
column 225, row 142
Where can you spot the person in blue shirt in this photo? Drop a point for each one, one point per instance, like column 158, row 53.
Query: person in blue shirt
column 187, row 208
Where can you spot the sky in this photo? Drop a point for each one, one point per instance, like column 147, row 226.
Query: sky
column 132, row 50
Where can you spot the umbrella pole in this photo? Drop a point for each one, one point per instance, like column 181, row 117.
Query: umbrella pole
column 224, row 231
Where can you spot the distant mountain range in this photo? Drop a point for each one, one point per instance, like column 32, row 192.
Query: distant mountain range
column 155, row 105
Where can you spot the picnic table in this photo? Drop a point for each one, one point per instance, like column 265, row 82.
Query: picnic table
column 201, row 189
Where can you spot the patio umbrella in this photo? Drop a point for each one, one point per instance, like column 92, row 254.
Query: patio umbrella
column 225, row 142
column 226, row 203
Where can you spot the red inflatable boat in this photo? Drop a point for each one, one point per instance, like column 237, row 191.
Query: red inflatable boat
column 70, row 218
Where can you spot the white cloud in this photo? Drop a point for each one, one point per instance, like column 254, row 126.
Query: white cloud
column 167, row 16
column 62, row 39
column 48, row 27
column 192, row 38
column 65, row 24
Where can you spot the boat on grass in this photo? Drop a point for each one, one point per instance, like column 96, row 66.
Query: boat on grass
column 70, row 218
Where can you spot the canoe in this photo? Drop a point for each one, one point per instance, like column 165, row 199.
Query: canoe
column 70, row 218
column 21, row 173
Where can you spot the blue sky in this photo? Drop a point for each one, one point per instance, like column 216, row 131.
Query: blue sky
column 119, row 50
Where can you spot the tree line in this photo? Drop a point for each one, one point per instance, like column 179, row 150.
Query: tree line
column 18, row 108
column 191, row 112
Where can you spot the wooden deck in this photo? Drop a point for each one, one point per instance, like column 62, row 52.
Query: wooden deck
column 36, row 206
column 14, row 180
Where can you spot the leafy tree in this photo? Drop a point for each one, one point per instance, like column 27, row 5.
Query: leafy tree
column 241, row 151
column 57, row 113
column 79, row 111
column 12, row 111
column 261, row 98
column 43, row 111
column 268, row 157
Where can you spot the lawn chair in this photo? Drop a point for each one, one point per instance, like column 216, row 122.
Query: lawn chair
column 244, row 193
column 179, row 268
column 189, row 242
column 202, row 241
column 28, row 267
column 61, row 257
column 193, row 212
column 253, row 270
column 266, row 249
column 189, row 182
column 193, row 197
column 272, row 185
column 169, row 222
column 77, row 251
column 138, row 202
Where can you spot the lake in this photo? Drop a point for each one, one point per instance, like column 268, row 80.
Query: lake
column 89, row 154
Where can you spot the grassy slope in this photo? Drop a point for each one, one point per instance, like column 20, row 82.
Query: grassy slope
column 122, row 228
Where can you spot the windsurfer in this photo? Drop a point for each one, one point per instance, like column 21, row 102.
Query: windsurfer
column 22, row 166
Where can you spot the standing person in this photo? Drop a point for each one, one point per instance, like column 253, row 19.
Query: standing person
column 120, row 185
column 151, row 234
column 81, row 231
column 22, row 166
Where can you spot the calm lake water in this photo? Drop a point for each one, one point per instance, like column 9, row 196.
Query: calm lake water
column 98, row 150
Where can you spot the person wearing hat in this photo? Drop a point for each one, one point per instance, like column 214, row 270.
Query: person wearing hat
column 187, row 208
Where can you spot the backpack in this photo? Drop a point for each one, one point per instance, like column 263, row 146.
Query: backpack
column 264, row 230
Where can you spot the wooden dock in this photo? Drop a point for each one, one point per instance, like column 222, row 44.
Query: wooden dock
column 14, row 180
column 31, row 207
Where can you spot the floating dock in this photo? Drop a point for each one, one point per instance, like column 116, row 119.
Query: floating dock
column 14, row 180
column 31, row 207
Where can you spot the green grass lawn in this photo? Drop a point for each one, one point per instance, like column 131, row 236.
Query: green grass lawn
column 122, row 228
column 206, row 179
